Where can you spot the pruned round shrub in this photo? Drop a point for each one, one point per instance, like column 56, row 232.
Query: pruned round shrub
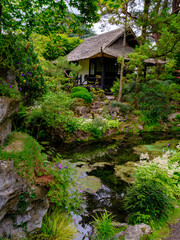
column 81, row 92
column 77, row 89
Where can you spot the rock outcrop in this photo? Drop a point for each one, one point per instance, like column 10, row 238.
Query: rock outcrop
column 133, row 232
column 22, row 207
column 8, row 107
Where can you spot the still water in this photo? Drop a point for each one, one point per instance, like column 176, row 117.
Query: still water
column 115, row 151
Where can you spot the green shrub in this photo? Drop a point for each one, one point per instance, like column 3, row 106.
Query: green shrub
column 55, row 111
column 148, row 203
column 127, row 87
column 159, row 176
column 56, row 226
column 82, row 94
column 96, row 127
column 153, row 104
column 104, row 227
column 124, row 108
column 18, row 55
column 79, row 89
column 59, row 45
column 63, row 191
column 8, row 90
column 152, row 196
column 30, row 77
column 177, row 116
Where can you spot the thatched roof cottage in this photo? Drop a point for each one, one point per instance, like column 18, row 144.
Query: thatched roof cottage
column 98, row 55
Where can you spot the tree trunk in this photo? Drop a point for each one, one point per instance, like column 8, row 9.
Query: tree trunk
column 0, row 17
column 175, row 6
column 145, row 21
column 123, row 55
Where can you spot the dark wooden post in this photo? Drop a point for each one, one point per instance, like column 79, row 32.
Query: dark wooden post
column 103, row 73
column 145, row 69
column 80, row 80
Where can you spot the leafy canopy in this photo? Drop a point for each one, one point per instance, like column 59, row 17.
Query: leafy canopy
column 26, row 15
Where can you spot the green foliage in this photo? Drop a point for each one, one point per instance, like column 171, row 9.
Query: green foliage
column 177, row 116
column 56, row 226
column 30, row 74
column 43, row 16
column 81, row 92
column 96, row 127
column 17, row 56
column 55, row 111
column 115, row 88
column 8, row 90
column 152, row 196
column 147, row 203
column 154, row 104
column 124, row 108
column 153, row 173
column 26, row 155
column 98, row 93
column 79, row 89
column 59, row 45
column 8, row 52
column 173, row 92
column 22, row 203
column 104, row 227
column 63, row 191
column 55, row 76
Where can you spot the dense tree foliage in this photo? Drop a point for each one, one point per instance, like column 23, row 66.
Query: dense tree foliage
column 48, row 15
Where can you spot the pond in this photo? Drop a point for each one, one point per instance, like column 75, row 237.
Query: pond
column 99, row 160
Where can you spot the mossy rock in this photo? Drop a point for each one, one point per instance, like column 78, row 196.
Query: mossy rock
column 90, row 184
column 126, row 171
column 157, row 148
column 26, row 155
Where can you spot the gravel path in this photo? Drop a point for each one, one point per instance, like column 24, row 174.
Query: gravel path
column 175, row 232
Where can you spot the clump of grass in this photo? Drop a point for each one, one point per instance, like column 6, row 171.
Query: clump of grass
column 104, row 227
column 56, row 226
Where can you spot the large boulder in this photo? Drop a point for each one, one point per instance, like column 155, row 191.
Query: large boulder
column 22, row 207
column 8, row 107
column 134, row 232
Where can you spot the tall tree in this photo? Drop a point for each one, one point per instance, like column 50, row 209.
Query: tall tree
column 123, row 56
column 26, row 15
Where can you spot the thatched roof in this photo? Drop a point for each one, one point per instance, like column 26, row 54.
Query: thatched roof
column 102, row 44
column 153, row 61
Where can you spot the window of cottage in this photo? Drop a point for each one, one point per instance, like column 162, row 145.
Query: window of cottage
column 92, row 68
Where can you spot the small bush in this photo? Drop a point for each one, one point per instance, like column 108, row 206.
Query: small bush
column 82, row 94
column 79, row 89
column 123, row 107
column 177, row 116
column 8, row 90
column 147, row 203
column 55, row 111
column 151, row 198
column 153, row 104
column 104, row 228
